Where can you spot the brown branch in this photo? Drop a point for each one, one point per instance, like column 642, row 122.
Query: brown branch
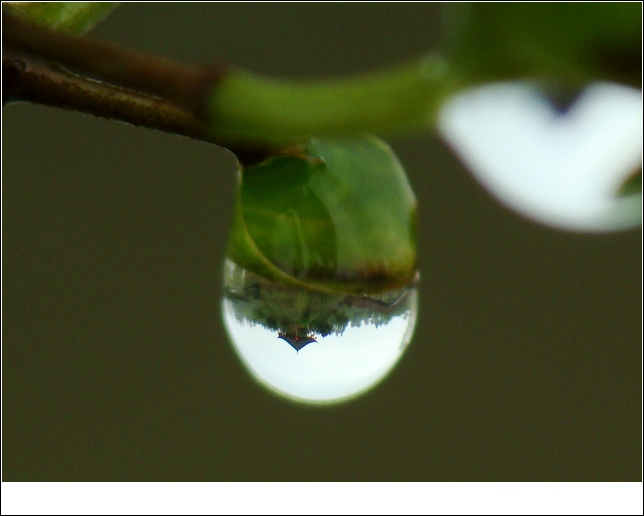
column 29, row 79
column 183, row 84
column 33, row 80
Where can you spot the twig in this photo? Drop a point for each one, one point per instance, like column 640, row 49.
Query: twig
column 183, row 84
column 34, row 80
column 29, row 79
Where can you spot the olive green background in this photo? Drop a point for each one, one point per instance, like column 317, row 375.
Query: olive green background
column 526, row 361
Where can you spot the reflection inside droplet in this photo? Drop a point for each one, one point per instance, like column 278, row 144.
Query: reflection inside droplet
column 315, row 347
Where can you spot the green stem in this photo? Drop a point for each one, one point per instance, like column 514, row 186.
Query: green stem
column 244, row 106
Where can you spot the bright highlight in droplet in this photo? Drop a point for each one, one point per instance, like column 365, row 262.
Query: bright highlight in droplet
column 314, row 348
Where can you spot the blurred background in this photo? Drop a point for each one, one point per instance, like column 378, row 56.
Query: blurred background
column 525, row 364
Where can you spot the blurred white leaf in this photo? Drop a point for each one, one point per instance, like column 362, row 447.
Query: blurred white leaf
column 563, row 170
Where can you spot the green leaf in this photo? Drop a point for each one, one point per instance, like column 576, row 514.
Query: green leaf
column 72, row 17
column 562, row 42
column 339, row 217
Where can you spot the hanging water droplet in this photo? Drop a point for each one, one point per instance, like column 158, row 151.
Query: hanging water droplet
column 315, row 347
column 317, row 296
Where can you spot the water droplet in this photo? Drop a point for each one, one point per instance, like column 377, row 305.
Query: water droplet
column 314, row 347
